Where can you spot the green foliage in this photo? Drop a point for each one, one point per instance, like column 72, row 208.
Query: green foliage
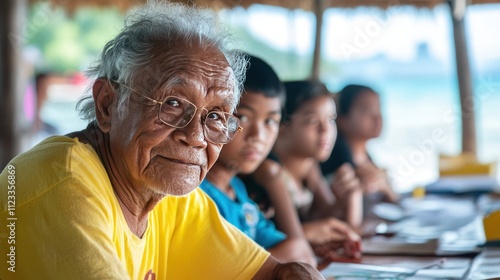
column 69, row 42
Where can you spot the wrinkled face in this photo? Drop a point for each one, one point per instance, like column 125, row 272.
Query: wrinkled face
column 364, row 120
column 312, row 130
column 260, row 118
column 151, row 154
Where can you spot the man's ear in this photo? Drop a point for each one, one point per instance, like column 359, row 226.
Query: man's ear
column 104, row 98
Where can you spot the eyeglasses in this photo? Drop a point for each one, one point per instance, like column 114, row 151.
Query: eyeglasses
column 218, row 127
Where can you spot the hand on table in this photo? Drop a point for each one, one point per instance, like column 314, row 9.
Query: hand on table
column 342, row 251
column 333, row 239
column 347, row 249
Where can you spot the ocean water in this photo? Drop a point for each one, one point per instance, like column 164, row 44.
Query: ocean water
column 421, row 121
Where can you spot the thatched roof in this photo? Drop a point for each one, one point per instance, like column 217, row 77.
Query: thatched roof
column 71, row 5
column 309, row 4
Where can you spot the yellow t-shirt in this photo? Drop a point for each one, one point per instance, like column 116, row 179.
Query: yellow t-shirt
column 67, row 224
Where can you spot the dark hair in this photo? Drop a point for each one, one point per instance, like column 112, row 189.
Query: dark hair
column 348, row 95
column 299, row 92
column 260, row 77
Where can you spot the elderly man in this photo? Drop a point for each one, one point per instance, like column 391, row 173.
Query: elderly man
column 119, row 200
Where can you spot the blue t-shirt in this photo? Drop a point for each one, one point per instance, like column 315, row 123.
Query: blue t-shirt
column 244, row 213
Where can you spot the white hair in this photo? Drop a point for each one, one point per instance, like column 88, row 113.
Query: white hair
column 129, row 54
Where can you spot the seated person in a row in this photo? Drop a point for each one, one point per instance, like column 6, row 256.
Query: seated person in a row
column 306, row 136
column 119, row 199
column 259, row 112
column 359, row 120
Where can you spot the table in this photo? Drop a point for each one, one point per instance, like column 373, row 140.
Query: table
column 397, row 267
column 448, row 228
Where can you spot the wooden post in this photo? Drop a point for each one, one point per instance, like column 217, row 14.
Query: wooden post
column 11, row 15
column 457, row 9
column 319, row 10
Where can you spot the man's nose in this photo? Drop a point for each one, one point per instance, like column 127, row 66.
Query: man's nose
column 193, row 133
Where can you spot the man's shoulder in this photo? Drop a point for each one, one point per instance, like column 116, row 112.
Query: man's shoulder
column 51, row 163
column 54, row 149
column 55, row 158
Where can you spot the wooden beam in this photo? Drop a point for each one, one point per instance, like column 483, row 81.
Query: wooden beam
column 11, row 15
column 457, row 9
column 319, row 10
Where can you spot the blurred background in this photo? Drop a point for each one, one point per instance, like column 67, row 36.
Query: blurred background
column 405, row 53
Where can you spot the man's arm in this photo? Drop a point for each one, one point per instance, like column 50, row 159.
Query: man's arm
column 272, row 269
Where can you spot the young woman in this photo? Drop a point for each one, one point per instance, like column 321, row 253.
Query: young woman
column 259, row 112
column 359, row 120
column 306, row 136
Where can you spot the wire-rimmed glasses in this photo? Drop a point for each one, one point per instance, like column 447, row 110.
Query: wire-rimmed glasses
column 218, row 127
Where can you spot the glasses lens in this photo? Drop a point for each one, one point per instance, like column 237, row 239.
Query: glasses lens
column 220, row 127
column 177, row 112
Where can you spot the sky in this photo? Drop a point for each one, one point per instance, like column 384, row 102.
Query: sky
column 366, row 32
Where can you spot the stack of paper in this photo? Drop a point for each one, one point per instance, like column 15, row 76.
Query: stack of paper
column 486, row 265
column 399, row 246
column 441, row 269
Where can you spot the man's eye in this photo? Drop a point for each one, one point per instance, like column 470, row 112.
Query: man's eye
column 173, row 102
column 215, row 116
